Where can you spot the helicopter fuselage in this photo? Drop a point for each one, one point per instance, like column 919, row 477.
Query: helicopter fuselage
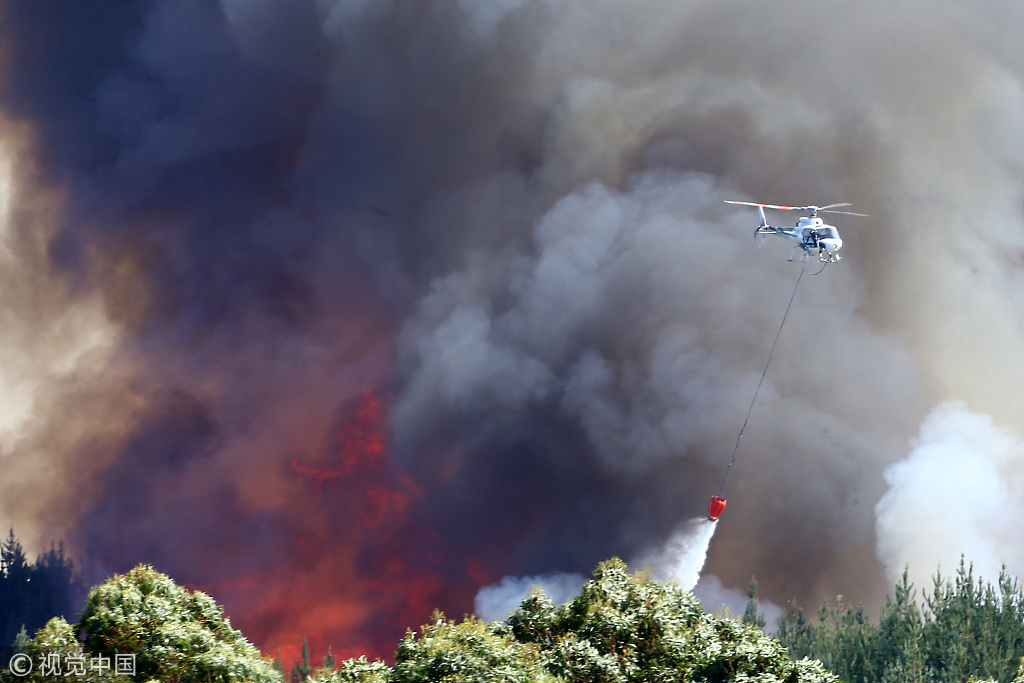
column 812, row 235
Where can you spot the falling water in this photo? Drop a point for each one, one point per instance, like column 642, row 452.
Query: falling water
column 683, row 556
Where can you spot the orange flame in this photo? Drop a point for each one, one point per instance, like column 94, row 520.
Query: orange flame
column 360, row 567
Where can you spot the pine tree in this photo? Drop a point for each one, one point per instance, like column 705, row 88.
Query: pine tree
column 12, row 559
column 20, row 640
column 279, row 665
column 329, row 660
column 31, row 594
column 751, row 615
column 796, row 633
column 15, row 596
column 56, row 589
column 900, row 655
column 300, row 672
column 968, row 630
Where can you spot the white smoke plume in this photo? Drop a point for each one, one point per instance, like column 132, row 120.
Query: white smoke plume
column 717, row 599
column 960, row 493
column 681, row 560
column 495, row 602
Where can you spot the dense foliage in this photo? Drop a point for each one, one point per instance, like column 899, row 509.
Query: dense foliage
column 170, row 633
column 53, row 651
column 966, row 629
column 622, row 628
column 176, row 635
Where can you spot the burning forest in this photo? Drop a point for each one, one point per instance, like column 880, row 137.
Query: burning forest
column 346, row 311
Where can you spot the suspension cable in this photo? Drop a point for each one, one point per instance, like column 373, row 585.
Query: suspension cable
column 763, row 373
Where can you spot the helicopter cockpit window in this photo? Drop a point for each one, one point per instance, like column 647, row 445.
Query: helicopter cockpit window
column 825, row 233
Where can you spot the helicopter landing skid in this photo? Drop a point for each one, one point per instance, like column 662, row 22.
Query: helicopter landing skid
column 804, row 255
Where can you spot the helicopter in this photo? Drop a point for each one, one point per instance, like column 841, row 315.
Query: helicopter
column 810, row 234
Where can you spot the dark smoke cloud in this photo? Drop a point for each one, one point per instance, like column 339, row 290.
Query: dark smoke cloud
column 229, row 229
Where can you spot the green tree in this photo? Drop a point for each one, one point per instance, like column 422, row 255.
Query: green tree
column 300, row 671
column 15, row 595
column 357, row 671
column 279, row 665
column 329, row 660
column 623, row 628
column 57, row 588
column 303, row 671
column 50, row 651
column 968, row 630
column 20, row 640
column 464, row 652
column 974, row 629
column 751, row 615
column 175, row 635
column 31, row 594
column 900, row 655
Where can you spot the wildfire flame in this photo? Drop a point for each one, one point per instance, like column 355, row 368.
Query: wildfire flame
column 360, row 568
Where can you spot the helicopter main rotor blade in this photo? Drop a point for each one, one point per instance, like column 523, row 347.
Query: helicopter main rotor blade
column 767, row 206
column 847, row 213
column 814, row 209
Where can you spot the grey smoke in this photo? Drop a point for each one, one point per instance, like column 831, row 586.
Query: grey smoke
column 717, row 599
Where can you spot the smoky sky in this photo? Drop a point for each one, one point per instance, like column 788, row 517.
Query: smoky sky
column 480, row 248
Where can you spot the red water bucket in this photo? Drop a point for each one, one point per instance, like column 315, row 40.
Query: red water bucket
column 715, row 508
